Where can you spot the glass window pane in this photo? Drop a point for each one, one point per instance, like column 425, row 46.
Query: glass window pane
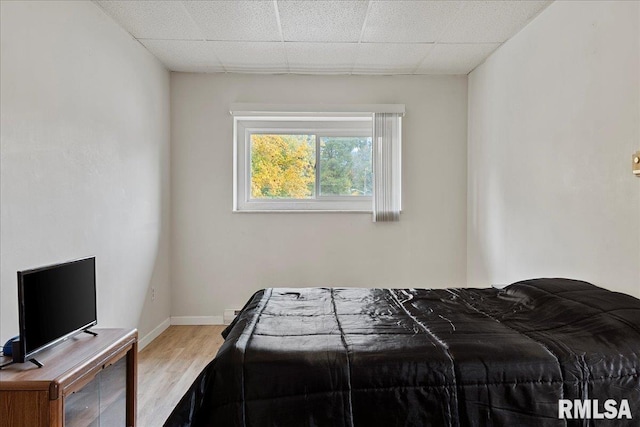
column 282, row 166
column 345, row 166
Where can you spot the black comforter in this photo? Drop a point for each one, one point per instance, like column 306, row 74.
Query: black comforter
column 417, row 357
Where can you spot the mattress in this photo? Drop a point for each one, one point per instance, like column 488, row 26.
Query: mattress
column 517, row 356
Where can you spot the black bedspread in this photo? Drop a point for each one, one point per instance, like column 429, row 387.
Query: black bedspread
column 416, row 357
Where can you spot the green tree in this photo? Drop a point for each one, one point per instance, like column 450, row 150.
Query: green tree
column 345, row 166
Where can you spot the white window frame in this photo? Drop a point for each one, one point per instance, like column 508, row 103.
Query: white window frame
column 319, row 125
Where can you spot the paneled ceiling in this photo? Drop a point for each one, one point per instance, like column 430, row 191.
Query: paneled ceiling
column 323, row 37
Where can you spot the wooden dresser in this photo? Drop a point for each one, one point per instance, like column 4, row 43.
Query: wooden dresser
column 83, row 380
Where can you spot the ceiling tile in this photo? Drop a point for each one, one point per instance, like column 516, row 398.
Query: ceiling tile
column 390, row 58
column 455, row 58
column 166, row 20
column 184, row 55
column 236, row 20
column 491, row 21
column 251, row 56
column 323, row 37
column 321, row 57
column 409, row 21
column 322, row 21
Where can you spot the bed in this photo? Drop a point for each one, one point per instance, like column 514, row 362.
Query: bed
column 423, row 357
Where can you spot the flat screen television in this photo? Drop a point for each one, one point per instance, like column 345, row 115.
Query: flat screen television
column 54, row 303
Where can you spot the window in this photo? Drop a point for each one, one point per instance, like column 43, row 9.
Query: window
column 285, row 164
column 318, row 158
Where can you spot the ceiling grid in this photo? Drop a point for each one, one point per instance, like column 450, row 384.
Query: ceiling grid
column 369, row 37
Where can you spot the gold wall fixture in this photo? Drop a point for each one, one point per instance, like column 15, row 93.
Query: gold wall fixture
column 636, row 164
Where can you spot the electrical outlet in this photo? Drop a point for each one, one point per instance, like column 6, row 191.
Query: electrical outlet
column 153, row 294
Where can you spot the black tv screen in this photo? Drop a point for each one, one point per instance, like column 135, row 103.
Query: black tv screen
column 55, row 302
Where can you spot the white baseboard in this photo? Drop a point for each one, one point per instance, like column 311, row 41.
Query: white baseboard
column 146, row 340
column 196, row 320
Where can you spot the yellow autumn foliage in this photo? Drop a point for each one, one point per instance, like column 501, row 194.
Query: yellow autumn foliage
column 282, row 166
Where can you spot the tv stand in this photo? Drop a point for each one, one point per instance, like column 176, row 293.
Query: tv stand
column 86, row 380
column 17, row 353
column 4, row 365
column 35, row 362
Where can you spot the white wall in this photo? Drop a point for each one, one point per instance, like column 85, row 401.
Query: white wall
column 220, row 258
column 85, row 158
column 554, row 117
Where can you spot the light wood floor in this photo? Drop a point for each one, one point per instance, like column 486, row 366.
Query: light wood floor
column 169, row 365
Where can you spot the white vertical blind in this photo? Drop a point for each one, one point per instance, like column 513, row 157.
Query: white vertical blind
column 387, row 163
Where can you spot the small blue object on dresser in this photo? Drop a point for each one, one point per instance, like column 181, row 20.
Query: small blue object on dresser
column 7, row 350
